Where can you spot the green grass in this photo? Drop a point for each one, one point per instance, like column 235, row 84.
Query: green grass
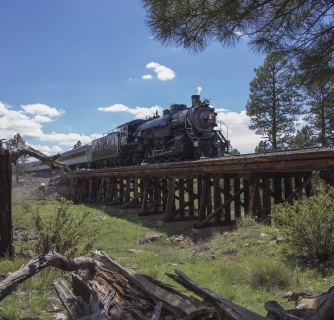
column 245, row 265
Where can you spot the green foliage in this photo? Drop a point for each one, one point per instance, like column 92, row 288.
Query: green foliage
column 26, row 206
column 304, row 138
column 274, row 101
column 269, row 275
column 64, row 229
column 263, row 146
column 301, row 29
column 234, row 152
column 78, row 144
column 308, row 225
column 321, row 115
column 245, row 222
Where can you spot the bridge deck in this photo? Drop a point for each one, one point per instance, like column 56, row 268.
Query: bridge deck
column 215, row 190
column 280, row 161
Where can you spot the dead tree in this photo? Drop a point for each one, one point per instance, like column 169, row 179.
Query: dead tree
column 103, row 289
column 7, row 157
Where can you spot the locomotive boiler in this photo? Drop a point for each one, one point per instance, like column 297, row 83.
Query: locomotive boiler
column 181, row 133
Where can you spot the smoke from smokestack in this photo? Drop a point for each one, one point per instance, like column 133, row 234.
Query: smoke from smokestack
column 199, row 89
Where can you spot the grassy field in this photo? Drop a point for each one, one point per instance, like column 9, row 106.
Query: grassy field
column 245, row 265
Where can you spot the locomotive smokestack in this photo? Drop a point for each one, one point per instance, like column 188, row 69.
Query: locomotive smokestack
column 195, row 100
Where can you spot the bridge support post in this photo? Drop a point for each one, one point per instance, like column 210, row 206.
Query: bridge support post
column 237, row 202
column 227, row 196
column 190, row 187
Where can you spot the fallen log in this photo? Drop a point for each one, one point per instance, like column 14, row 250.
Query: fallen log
column 229, row 310
column 51, row 259
column 103, row 289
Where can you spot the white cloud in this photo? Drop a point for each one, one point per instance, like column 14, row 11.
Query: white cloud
column 41, row 109
column 42, row 119
column 147, row 77
column 242, row 138
column 163, row 73
column 47, row 150
column 66, row 139
column 118, row 107
column 139, row 112
column 17, row 121
column 145, row 112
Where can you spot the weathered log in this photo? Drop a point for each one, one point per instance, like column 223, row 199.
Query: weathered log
column 176, row 304
column 49, row 161
column 230, row 310
column 75, row 306
column 97, row 294
column 51, row 259
column 157, row 311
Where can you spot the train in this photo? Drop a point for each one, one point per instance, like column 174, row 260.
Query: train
column 180, row 133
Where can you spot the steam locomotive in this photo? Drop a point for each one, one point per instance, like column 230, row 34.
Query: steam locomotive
column 181, row 133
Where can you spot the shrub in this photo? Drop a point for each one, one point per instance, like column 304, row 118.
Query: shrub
column 270, row 274
column 65, row 230
column 308, row 225
column 245, row 222
column 26, row 206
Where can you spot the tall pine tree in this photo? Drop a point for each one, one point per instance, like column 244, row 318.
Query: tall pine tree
column 321, row 113
column 274, row 101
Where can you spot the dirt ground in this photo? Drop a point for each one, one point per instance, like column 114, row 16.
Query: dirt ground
column 34, row 188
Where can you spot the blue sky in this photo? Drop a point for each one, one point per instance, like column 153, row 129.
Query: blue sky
column 72, row 70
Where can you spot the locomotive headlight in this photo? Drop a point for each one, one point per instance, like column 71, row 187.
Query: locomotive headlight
column 211, row 116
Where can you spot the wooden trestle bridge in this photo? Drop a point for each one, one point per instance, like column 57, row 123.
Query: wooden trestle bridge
column 209, row 191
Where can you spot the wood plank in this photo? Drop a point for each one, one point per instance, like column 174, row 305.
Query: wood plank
column 187, row 203
column 134, row 200
column 153, row 205
column 300, row 187
column 179, row 306
column 170, row 198
column 145, row 194
column 231, row 310
column 209, row 217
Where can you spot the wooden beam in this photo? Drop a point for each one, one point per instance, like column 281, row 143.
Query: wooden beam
column 99, row 197
column 217, row 199
column 227, row 195
column 133, row 201
column 190, row 186
column 237, row 203
column 204, row 198
column 209, row 217
column 145, row 194
column 298, row 189
column 181, row 196
column 148, row 208
column 266, row 197
column 187, row 203
column 170, row 198
column 127, row 190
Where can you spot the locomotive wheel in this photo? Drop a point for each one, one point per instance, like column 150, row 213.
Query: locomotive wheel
column 149, row 157
column 197, row 154
column 177, row 157
column 167, row 158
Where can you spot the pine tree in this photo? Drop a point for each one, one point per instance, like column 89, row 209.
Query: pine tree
column 274, row 101
column 78, row 144
column 300, row 29
column 304, row 138
column 321, row 113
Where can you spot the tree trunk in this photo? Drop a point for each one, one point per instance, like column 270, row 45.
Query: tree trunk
column 6, row 223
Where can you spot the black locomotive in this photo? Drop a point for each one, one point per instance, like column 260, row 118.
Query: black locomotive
column 181, row 133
